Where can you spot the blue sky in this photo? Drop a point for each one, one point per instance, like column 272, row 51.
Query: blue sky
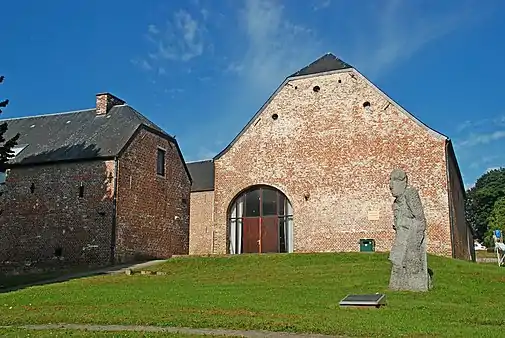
column 201, row 68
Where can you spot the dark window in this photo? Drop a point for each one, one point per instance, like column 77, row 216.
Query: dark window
column 282, row 235
column 32, row 188
column 252, row 203
column 58, row 252
column 81, row 191
column 316, row 89
column 160, row 164
column 281, row 203
column 269, row 202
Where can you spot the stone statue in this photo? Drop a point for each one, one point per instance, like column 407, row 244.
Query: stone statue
column 408, row 254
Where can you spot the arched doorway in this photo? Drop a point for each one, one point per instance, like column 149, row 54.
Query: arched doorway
column 260, row 219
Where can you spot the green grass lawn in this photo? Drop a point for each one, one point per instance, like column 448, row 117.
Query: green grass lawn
column 296, row 292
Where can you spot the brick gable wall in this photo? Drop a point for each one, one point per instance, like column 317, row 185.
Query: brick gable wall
column 34, row 225
column 328, row 145
column 152, row 211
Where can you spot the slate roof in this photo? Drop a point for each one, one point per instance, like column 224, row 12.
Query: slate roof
column 325, row 63
column 75, row 135
column 202, row 173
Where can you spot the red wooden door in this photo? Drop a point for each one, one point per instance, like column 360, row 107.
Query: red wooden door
column 251, row 235
column 270, row 234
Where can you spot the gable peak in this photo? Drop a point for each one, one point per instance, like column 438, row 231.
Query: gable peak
column 325, row 63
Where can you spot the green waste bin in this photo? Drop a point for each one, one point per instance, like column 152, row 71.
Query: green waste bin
column 366, row 245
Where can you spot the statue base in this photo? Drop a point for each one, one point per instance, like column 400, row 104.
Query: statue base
column 403, row 280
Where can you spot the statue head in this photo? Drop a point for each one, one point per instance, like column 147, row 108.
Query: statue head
column 398, row 182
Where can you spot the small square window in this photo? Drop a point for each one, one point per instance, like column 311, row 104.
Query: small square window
column 160, row 163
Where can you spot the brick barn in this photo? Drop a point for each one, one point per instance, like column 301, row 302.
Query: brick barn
column 92, row 187
column 310, row 173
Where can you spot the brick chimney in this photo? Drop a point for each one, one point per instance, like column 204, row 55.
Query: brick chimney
column 105, row 101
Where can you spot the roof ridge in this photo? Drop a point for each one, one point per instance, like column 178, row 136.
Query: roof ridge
column 49, row 114
column 200, row 161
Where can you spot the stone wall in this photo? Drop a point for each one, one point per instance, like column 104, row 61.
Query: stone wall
column 336, row 145
column 56, row 215
column 152, row 211
column 201, row 226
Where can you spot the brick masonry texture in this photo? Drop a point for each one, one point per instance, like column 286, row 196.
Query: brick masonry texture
column 34, row 225
column 201, row 216
column 328, row 145
column 152, row 211
column 105, row 101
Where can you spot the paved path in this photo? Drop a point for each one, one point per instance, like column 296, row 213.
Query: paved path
column 115, row 269
column 184, row 330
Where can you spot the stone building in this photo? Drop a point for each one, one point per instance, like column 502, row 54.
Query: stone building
column 310, row 173
column 92, row 187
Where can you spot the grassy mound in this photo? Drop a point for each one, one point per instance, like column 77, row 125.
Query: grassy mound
column 281, row 292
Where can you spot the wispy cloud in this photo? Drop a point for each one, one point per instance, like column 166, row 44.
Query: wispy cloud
column 321, row 4
column 399, row 29
column 468, row 124
column 269, row 46
column 181, row 40
column 482, row 139
column 480, row 132
column 205, row 153
column 259, row 43
column 478, row 143
column 276, row 45
column 234, row 67
column 483, row 160
column 143, row 64
column 152, row 29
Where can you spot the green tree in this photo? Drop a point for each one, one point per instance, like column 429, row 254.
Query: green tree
column 496, row 221
column 481, row 199
column 5, row 145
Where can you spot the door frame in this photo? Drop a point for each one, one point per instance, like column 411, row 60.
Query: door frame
column 236, row 217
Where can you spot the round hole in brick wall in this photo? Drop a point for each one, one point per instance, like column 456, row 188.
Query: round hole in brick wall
column 339, row 81
column 366, row 104
column 316, row 89
column 275, row 116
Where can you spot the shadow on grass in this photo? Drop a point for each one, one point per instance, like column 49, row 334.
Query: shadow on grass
column 19, row 282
